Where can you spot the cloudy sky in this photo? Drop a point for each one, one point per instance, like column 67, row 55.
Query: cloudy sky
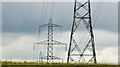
column 0, row 31
column 20, row 21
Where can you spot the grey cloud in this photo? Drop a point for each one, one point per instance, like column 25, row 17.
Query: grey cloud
column 119, row 18
column 15, row 46
column 25, row 16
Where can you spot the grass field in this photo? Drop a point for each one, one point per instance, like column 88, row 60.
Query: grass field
column 0, row 63
column 33, row 64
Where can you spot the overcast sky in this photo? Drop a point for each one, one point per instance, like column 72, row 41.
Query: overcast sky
column 20, row 21
column 0, row 16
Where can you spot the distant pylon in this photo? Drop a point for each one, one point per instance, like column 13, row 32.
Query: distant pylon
column 50, row 42
column 90, row 46
column 40, row 57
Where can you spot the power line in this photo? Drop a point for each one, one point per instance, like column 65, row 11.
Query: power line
column 97, row 14
column 42, row 10
column 44, row 7
column 52, row 8
column 45, row 11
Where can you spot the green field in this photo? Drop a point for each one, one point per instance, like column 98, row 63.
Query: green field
column 0, row 63
column 33, row 64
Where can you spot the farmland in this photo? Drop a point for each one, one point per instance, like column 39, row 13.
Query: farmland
column 35, row 64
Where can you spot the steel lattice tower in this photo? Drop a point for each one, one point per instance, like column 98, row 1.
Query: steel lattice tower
column 50, row 42
column 40, row 56
column 86, row 18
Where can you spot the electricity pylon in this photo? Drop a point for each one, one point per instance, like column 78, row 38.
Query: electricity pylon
column 85, row 16
column 40, row 56
column 50, row 42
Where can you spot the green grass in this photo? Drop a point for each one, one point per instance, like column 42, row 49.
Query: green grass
column 0, row 63
column 35, row 64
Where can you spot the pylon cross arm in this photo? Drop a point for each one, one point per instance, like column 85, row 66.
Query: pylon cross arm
column 53, row 42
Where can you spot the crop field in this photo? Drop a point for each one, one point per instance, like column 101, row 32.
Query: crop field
column 34, row 64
